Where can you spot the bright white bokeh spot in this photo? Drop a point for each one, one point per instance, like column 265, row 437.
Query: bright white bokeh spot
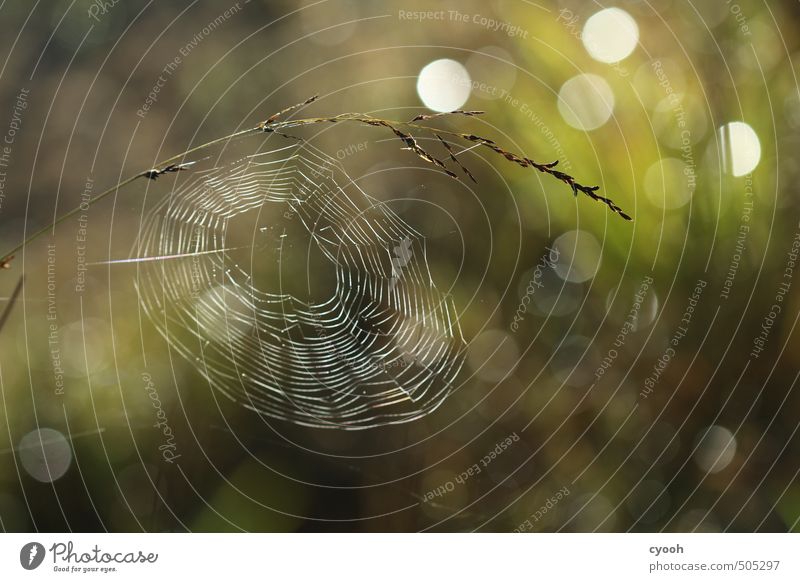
column 45, row 454
column 586, row 101
column 579, row 256
column 444, row 85
column 741, row 148
column 716, row 447
column 610, row 35
column 669, row 183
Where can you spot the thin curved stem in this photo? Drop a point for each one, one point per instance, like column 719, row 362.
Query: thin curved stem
column 5, row 262
column 273, row 125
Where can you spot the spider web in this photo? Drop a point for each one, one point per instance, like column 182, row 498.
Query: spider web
column 369, row 340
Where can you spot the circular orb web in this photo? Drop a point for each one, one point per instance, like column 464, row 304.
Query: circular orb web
column 367, row 341
column 586, row 102
column 45, row 454
column 610, row 35
column 444, row 85
column 741, row 148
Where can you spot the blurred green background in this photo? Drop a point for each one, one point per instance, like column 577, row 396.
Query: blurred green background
column 688, row 118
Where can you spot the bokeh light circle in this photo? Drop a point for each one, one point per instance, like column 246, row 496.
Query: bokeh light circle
column 586, row 101
column 669, row 183
column 579, row 256
column 45, row 454
column 741, row 148
column 444, row 85
column 610, row 35
column 716, row 448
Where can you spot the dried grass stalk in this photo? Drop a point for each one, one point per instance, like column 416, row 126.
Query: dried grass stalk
column 277, row 123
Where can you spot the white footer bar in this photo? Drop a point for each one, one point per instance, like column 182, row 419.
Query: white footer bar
column 401, row 557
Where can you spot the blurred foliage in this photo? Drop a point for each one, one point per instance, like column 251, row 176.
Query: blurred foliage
column 628, row 462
